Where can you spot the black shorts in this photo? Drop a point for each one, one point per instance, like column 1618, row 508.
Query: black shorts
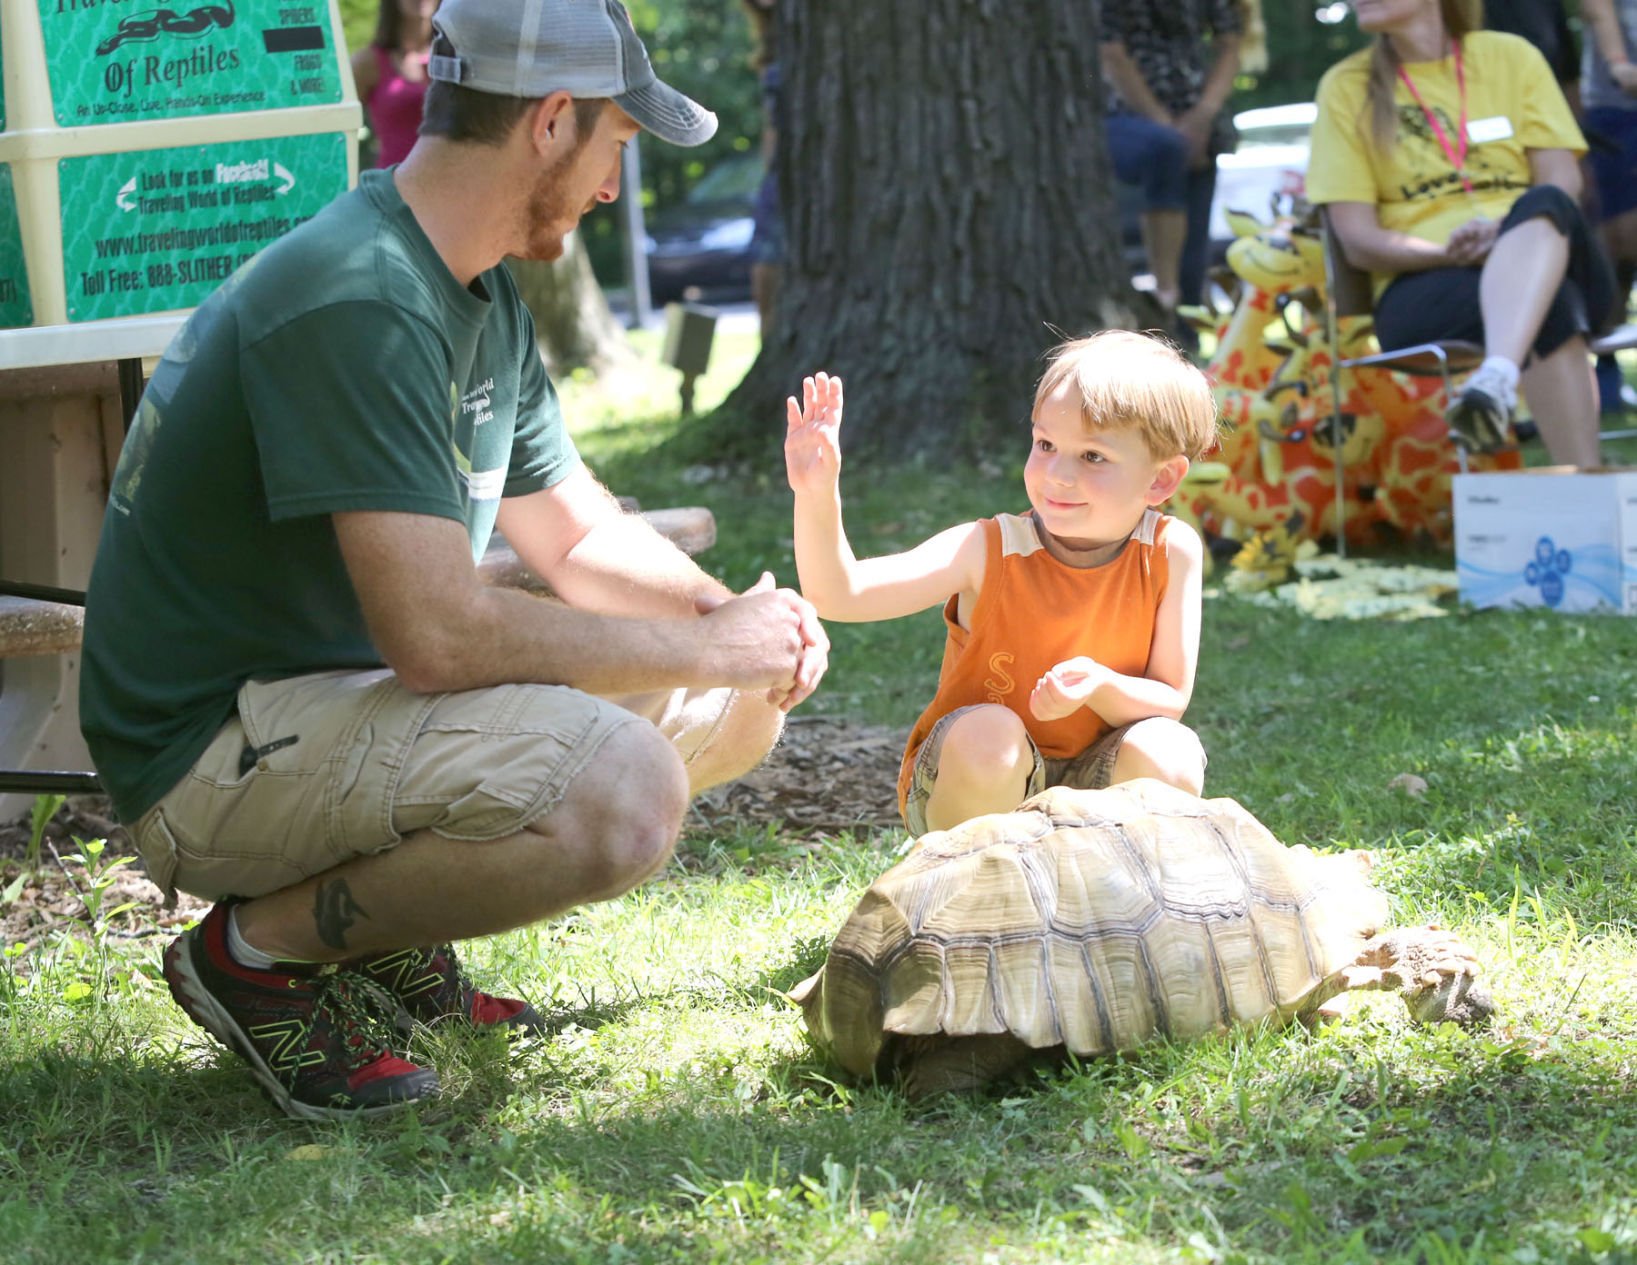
column 1442, row 303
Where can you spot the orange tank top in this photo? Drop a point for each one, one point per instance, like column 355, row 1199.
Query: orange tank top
column 1032, row 613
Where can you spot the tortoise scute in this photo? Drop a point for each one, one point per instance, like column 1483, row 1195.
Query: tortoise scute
column 971, row 1006
column 1025, row 1002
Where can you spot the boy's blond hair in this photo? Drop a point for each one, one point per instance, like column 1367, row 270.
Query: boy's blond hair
column 1128, row 379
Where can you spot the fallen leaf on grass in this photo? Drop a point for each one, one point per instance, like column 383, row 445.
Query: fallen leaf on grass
column 310, row 1151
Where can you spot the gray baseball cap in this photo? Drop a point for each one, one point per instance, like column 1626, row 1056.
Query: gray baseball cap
column 587, row 48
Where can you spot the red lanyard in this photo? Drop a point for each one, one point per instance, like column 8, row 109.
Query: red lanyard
column 1456, row 151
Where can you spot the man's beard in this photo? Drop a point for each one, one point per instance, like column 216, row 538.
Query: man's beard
column 548, row 209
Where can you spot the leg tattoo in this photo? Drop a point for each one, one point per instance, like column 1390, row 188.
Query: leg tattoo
column 334, row 910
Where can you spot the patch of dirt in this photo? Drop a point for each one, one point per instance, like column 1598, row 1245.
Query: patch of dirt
column 50, row 901
column 827, row 774
column 81, row 817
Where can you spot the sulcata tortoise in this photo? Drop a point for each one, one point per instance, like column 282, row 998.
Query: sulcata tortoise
column 1093, row 921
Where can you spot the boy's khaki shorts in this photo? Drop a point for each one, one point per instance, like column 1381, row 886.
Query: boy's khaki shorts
column 1088, row 771
column 315, row 770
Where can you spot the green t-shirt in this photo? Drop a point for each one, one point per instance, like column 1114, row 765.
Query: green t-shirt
column 343, row 368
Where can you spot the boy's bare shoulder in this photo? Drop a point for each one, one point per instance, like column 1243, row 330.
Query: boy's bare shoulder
column 1181, row 540
column 963, row 533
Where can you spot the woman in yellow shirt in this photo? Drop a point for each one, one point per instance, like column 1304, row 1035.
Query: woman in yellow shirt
column 1449, row 161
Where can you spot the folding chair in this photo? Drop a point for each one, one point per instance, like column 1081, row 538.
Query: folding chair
column 1347, row 292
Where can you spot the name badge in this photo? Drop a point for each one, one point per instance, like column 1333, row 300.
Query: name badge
column 1482, row 131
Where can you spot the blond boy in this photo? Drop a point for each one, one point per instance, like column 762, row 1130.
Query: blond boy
column 1072, row 630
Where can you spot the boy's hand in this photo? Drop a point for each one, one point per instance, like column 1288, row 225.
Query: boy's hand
column 1067, row 688
column 812, row 442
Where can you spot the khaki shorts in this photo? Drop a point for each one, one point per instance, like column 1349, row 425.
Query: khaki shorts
column 1088, row 771
column 315, row 770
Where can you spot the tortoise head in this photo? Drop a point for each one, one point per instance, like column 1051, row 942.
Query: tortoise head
column 842, row 1006
column 1354, row 908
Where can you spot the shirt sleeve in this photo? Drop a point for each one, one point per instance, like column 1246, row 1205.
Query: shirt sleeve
column 542, row 452
column 1339, row 165
column 1227, row 17
column 1547, row 121
column 351, row 410
column 1116, row 20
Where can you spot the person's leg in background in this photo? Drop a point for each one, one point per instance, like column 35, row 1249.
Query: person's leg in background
column 1196, row 249
column 1154, row 157
column 765, row 276
column 1544, row 288
column 1444, row 303
column 1196, row 246
column 767, row 254
column 1611, row 380
column 1612, row 206
column 1562, row 395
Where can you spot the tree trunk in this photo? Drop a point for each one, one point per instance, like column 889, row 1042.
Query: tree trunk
column 950, row 214
column 571, row 315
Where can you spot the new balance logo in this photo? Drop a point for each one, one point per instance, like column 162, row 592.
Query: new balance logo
column 407, row 973
column 286, row 1038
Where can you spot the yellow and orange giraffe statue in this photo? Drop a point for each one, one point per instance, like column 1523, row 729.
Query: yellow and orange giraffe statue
column 1271, row 371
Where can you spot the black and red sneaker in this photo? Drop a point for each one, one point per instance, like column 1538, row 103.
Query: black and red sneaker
column 318, row 1039
column 431, row 987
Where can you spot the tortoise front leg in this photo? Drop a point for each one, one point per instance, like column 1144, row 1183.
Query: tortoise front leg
column 1430, row 968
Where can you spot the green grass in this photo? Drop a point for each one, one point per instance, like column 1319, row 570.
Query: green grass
column 676, row 1112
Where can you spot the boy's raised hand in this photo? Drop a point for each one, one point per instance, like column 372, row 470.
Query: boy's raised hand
column 812, row 441
column 1067, row 688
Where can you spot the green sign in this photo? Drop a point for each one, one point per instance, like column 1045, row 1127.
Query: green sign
column 158, row 229
column 15, row 308
column 119, row 61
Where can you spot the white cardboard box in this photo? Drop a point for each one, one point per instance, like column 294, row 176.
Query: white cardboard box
column 1555, row 537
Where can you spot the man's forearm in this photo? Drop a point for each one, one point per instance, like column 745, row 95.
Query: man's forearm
column 506, row 636
column 624, row 567
column 1219, row 82
column 1128, row 81
column 1605, row 27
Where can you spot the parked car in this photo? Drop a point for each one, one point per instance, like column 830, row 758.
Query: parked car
column 1267, row 172
column 700, row 248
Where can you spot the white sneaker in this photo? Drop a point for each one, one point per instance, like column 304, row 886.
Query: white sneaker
column 1481, row 416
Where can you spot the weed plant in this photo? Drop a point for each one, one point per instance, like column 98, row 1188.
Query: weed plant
column 44, row 809
column 675, row 1112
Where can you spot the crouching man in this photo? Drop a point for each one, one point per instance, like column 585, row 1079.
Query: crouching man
column 306, row 706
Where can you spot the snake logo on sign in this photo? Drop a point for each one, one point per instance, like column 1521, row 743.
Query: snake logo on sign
column 143, row 27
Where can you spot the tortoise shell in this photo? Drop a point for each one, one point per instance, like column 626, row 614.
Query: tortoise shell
column 1091, row 920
